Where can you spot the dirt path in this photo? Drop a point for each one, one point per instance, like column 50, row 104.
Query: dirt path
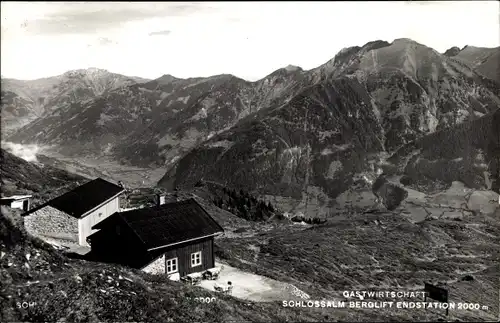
column 253, row 287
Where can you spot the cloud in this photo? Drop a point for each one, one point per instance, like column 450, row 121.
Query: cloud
column 26, row 152
column 84, row 22
column 84, row 18
column 160, row 33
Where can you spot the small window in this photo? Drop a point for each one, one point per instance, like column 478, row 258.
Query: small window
column 172, row 266
column 100, row 214
column 196, row 259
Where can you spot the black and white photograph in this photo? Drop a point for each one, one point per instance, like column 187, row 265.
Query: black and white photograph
column 270, row 161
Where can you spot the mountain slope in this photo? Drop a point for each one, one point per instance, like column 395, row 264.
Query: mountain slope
column 367, row 103
column 302, row 131
column 202, row 108
column 21, row 177
column 65, row 289
column 16, row 112
column 156, row 121
column 317, row 141
column 25, row 101
column 469, row 153
column 415, row 89
column 485, row 61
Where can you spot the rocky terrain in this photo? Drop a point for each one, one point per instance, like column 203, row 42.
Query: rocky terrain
column 26, row 101
column 394, row 146
column 299, row 138
column 485, row 61
column 409, row 90
column 153, row 122
column 454, row 244
column 381, row 252
column 59, row 288
column 328, row 139
column 469, row 152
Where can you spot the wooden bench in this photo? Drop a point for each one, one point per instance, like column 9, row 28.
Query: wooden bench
column 192, row 279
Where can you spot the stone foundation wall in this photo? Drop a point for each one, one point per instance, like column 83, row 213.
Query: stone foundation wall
column 156, row 267
column 50, row 222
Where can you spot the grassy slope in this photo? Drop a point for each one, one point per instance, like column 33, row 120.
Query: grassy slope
column 354, row 253
column 79, row 291
column 350, row 252
column 321, row 260
column 21, row 177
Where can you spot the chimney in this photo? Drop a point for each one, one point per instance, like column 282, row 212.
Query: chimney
column 160, row 199
column 27, row 205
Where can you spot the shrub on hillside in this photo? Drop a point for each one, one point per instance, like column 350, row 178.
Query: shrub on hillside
column 244, row 205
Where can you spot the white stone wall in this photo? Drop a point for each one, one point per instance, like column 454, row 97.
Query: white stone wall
column 86, row 223
column 174, row 276
column 52, row 223
column 17, row 205
column 156, row 267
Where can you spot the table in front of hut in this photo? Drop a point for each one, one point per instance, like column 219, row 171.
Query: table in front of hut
column 194, row 278
column 226, row 290
column 212, row 273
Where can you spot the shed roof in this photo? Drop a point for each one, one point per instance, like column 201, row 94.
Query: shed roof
column 167, row 224
column 79, row 201
column 16, row 197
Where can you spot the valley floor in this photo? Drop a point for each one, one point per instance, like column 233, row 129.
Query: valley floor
column 131, row 176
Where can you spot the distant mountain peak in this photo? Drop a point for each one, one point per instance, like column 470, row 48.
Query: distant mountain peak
column 346, row 50
column 166, row 78
column 284, row 71
column 292, row 68
column 452, row 51
column 87, row 71
column 405, row 40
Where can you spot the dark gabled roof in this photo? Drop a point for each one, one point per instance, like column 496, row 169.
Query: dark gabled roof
column 84, row 198
column 167, row 224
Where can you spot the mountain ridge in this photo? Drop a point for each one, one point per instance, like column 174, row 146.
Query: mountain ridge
column 483, row 60
column 385, row 94
column 26, row 101
column 403, row 39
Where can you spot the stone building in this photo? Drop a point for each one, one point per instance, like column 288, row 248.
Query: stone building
column 72, row 215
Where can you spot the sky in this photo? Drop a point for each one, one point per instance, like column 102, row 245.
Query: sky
column 246, row 39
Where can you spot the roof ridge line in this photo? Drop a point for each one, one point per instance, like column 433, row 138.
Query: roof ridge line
column 135, row 232
column 208, row 214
